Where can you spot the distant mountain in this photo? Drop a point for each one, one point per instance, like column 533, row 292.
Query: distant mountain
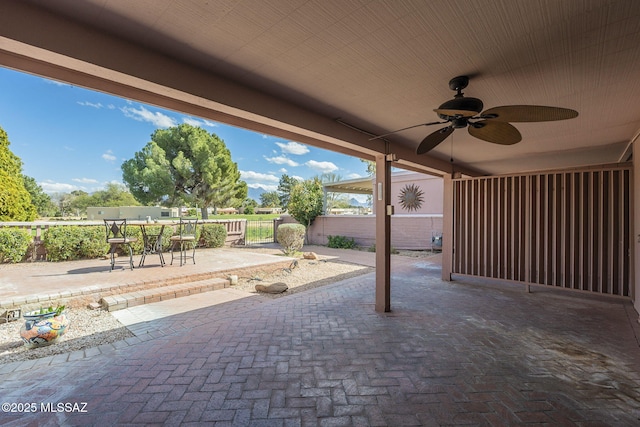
column 254, row 193
column 354, row 202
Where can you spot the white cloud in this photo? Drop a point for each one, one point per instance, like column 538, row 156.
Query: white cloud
column 264, row 187
column 90, row 104
column 143, row 115
column 265, row 181
column 293, row 148
column 282, row 170
column 258, row 176
column 199, row 122
column 282, row 160
column 108, row 156
column 57, row 83
column 57, row 187
column 354, row 176
column 85, row 180
column 323, row 167
column 296, row 177
column 191, row 121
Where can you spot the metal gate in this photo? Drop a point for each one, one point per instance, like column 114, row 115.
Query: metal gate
column 563, row 229
column 260, row 232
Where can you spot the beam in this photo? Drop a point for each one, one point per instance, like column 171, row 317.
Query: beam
column 38, row 41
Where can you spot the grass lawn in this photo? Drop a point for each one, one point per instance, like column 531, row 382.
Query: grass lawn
column 255, row 217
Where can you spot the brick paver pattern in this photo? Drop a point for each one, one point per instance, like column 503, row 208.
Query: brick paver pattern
column 448, row 354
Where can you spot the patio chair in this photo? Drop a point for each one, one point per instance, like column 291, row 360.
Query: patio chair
column 117, row 236
column 185, row 240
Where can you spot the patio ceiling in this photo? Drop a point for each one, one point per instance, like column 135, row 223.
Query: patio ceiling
column 351, row 186
column 292, row 67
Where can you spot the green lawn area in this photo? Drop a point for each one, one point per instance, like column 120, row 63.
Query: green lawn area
column 255, row 217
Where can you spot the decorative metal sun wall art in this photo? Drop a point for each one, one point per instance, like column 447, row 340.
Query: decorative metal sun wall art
column 411, row 197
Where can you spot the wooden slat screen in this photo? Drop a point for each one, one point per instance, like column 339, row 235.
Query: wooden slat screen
column 563, row 229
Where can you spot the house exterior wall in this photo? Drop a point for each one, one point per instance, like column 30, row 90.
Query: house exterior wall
column 432, row 192
column 131, row 212
column 407, row 231
column 410, row 229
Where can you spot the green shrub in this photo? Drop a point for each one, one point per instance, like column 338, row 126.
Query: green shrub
column 341, row 242
column 14, row 244
column 68, row 242
column 291, row 237
column 213, row 235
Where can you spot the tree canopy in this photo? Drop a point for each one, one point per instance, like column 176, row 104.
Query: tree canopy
column 269, row 199
column 41, row 200
column 284, row 189
column 184, row 164
column 15, row 200
column 114, row 194
column 305, row 201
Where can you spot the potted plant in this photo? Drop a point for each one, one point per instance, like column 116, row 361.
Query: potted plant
column 44, row 326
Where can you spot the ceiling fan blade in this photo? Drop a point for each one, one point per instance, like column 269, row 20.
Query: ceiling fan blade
column 410, row 127
column 528, row 113
column 495, row 132
column 432, row 140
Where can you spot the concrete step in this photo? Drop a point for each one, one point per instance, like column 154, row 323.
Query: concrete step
column 162, row 293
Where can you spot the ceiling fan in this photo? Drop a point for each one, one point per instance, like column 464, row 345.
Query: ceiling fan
column 491, row 125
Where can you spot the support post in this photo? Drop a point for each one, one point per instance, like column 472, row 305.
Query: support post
column 634, row 254
column 383, row 233
column 447, row 229
column 324, row 200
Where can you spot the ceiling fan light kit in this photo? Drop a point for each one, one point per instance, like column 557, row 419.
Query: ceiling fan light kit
column 492, row 125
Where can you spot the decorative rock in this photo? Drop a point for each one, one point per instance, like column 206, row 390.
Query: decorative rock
column 94, row 306
column 274, row 288
column 310, row 255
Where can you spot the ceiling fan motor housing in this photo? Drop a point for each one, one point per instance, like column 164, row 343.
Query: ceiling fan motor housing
column 459, row 107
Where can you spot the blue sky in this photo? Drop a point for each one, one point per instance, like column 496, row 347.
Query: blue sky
column 70, row 138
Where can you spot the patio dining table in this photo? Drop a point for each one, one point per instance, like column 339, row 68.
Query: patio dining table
column 151, row 242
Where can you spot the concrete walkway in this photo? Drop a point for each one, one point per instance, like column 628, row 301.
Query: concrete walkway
column 448, row 354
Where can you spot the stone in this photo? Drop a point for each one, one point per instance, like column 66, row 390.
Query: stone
column 310, row 255
column 94, row 306
column 274, row 288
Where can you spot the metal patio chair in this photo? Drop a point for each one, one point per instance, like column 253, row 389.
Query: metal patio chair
column 185, row 240
column 117, row 236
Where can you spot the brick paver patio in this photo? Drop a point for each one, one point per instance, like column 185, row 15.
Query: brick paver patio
column 448, row 354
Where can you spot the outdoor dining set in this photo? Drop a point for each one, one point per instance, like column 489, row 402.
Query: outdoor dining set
column 183, row 241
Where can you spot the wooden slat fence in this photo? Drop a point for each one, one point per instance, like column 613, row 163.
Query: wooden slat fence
column 568, row 229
